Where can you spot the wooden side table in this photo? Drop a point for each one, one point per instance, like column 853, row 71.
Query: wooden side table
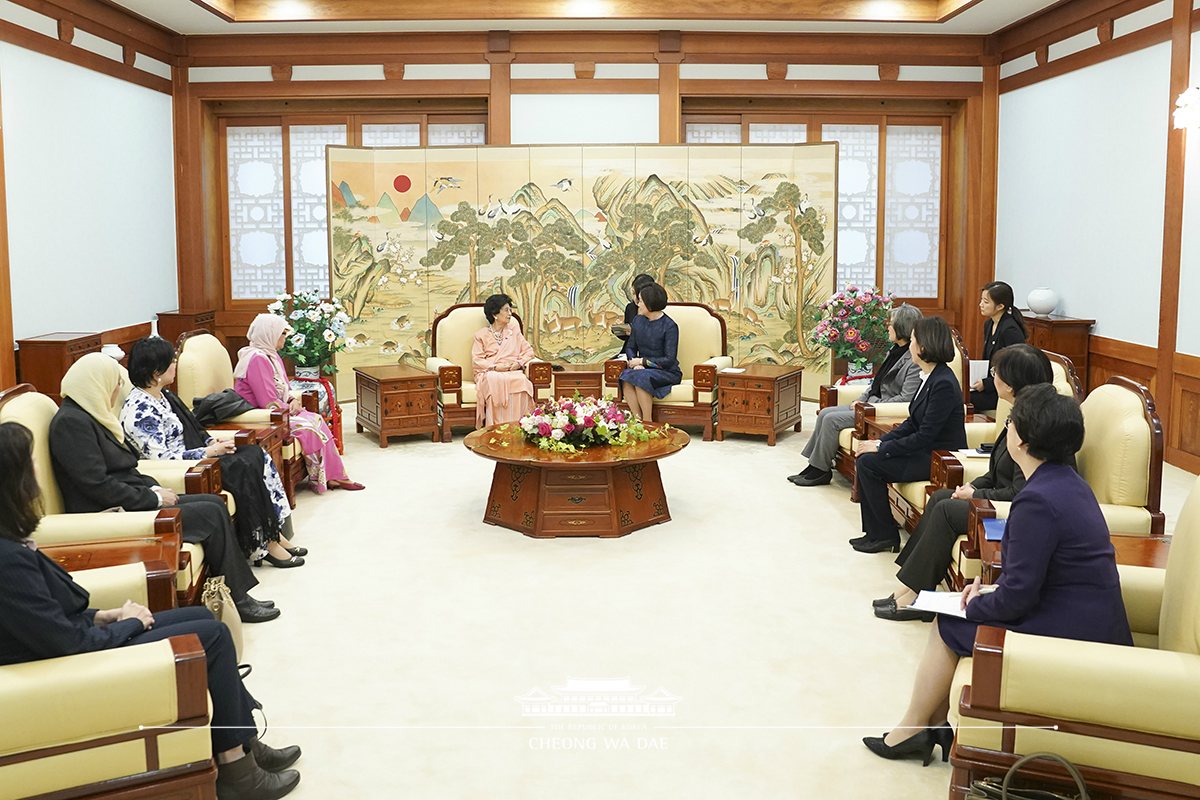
column 587, row 379
column 173, row 324
column 396, row 400
column 45, row 359
column 763, row 399
column 1066, row 336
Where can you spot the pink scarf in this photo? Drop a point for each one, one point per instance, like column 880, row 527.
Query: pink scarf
column 264, row 333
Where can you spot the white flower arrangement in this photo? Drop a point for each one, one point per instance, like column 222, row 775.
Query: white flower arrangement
column 1187, row 109
column 570, row 425
column 316, row 331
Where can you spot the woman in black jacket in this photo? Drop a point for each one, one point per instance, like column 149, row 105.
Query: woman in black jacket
column 96, row 469
column 1005, row 327
column 45, row 614
column 925, row 559
column 935, row 421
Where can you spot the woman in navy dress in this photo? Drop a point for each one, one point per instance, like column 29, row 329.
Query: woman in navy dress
column 1060, row 571
column 652, row 349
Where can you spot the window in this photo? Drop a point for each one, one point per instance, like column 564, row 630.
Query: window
column 277, row 190
column 905, row 253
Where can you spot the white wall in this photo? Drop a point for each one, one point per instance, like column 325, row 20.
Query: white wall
column 1188, row 340
column 584, row 119
column 1081, row 181
column 89, row 173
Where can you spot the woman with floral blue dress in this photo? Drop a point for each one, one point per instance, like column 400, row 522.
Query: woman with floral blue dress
column 159, row 425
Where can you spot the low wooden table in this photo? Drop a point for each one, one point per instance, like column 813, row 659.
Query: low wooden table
column 587, row 379
column 395, row 400
column 762, row 399
column 602, row 491
column 1132, row 551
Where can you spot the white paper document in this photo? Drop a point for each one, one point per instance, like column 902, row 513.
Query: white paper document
column 979, row 371
column 941, row 602
column 733, row 370
column 972, row 453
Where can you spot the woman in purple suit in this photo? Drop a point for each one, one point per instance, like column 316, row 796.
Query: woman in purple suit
column 1060, row 571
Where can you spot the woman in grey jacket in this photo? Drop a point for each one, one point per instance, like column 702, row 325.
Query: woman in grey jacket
column 896, row 381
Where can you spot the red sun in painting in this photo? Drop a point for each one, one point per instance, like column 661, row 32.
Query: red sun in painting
column 402, row 183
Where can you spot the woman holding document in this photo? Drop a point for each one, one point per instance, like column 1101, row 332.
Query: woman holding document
column 924, row 560
column 1060, row 572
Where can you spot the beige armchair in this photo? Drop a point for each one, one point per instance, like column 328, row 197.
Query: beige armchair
column 107, row 538
column 1121, row 459
column 947, row 471
column 1128, row 716
column 128, row 722
column 703, row 352
column 896, row 412
column 453, row 336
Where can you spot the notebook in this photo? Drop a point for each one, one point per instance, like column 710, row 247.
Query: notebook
column 993, row 529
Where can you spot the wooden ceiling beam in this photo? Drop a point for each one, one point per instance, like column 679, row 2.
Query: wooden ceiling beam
column 114, row 24
column 1061, row 22
column 391, row 10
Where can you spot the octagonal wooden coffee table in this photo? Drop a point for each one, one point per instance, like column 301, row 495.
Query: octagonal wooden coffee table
column 601, row 491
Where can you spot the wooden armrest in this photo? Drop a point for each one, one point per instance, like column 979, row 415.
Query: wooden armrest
column 977, row 512
column 450, row 378
column 160, row 585
column 862, row 413
column 204, row 478
column 240, row 436
column 164, row 544
column 986, row 668
column 829, row 396
column 311, row 401
column 191, row 677
column 613, row 368
column 540, row 373
column 704, row 377
column 945, row 471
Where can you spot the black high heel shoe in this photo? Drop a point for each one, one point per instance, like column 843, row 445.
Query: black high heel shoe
column 920, row 744
column 943, row 737
column 297, row 551
column 281, row 563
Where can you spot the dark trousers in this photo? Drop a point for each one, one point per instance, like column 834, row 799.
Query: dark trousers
column 874, row 473
column 984, row 401
column 232, row 720
column 206, row 521
column 925, row 559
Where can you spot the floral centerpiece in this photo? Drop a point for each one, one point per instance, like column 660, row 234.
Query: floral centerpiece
column 568, row 425
column 854, row 326
column 316, row 330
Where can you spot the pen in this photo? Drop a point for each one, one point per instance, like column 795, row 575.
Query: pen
column 987, row 589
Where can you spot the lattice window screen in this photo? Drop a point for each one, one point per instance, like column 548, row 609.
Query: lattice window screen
column 257, row 260
column 406, row 134
column 451, row 133
column 778, row 133
column 310, row 196
column 913, row 211
column 713, row 133
column 858, row 200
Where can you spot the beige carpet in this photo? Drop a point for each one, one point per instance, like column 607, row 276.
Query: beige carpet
column 406, row 639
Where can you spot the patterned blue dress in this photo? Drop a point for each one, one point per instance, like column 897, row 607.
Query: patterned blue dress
column 656, row 342
column 150, row 423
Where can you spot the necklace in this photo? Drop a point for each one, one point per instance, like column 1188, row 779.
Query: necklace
column 497, row 333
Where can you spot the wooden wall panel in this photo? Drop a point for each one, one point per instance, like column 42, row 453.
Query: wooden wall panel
column 1113, row 357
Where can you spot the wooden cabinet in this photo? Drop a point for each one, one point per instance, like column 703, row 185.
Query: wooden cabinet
column 45, row 359
column 1066, row 336
column 396, row 400
column 173, row 324
column 586, row 379
column 763, row 399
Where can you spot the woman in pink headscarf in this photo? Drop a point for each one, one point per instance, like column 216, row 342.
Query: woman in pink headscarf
column 261, row 379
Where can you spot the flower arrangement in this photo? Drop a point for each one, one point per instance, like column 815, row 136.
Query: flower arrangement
column 572, row 424
column 315, row 331
column 854, row 325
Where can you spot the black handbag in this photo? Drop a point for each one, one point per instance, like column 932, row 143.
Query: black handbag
column 997, row 789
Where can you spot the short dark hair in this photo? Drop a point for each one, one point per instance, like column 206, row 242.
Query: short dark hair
column 149, row 357
column 492, row 306
column 655, row 297
column 19, row 515
column 1021, row 365
column 641, row 281
column 1050, row 424
column 935, row 339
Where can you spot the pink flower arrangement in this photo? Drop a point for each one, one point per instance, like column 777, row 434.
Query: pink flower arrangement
column 569, row 425
column 854, row 325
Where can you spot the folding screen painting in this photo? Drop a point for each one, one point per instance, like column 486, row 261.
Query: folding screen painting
column 747, row 230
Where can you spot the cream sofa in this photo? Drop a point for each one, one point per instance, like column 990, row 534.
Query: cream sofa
column 703, row 352
column 453, row 337
column 98, row 724
column 1128, row 716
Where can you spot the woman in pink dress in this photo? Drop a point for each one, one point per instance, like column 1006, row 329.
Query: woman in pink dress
column 260, row 378
column 499, row 356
